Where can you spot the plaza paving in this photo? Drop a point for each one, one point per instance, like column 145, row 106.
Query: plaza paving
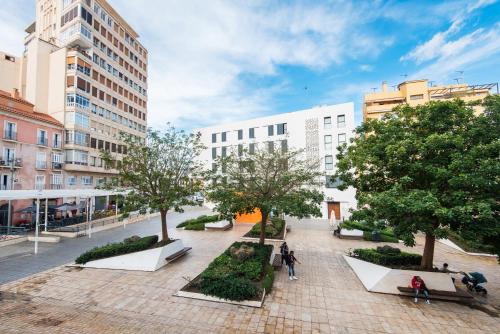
column 327, row 298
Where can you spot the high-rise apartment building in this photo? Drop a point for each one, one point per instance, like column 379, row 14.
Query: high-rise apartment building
column 318, row 131
column 416, row 92
column 84, row 66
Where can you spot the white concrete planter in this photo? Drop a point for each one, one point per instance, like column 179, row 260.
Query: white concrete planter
column 47, row 238
column 146, row 260
column 220, row 225
column 376, row 278
column 195, row 295
column 453, row 245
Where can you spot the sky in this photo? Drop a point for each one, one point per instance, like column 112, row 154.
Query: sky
column 214, row 62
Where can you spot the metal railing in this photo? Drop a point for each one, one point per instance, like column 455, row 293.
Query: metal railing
column 9, row 134
column 41, row 164
column 16, row 162
column 42, row 141
column 12, row 230
column 57, row 165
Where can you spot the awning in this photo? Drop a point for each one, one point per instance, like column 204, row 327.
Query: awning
column 10, row 195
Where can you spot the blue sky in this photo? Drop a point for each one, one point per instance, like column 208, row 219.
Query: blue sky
column 220, row 61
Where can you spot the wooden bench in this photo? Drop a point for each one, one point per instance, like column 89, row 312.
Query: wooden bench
column 277, row 262
column 459, row 295
column 178, row 254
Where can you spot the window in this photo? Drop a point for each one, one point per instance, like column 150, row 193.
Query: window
column 223, row 136
column 328, row 143
column 57, row 180
column 214, row 152
column 9, row 154
column 284, row 146
column 327, row 122
column 42, row 138
column 251, row 133
column 340, row 121
column 214, row 137
column 86, row 16
column 76, row 157
column 224, row 151
column 281, row 129
column 330, row 182
column 10, row 131
column 79, row 119
column 270, row 146
column 56, row 140
column 87, row 180
column 71, row 180
column 251, row 148
column 240, row 150
column 69, row 16
column 40, row 182
column 41, row 160
column 270, row 130
column 329, row 162
column 240, row 134
column 214, row 167
column 341, row 138
column 417, row 97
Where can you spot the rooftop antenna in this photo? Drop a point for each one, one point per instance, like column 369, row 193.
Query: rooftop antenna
column 404, row 75
column 431, row 83
column 394, row 87
column 457, row 80
column 374, row 89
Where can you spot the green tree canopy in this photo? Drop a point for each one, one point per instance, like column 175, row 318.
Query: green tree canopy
column 279, row 181
column 430, row 168
column 162, row 172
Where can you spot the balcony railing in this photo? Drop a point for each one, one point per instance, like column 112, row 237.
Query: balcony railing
column 42, row 141
column 56, row 186
column 41, row 165
column 9, row 135
column 16, row 162
column 57, row 165
column 57, row 144
column 39, row 186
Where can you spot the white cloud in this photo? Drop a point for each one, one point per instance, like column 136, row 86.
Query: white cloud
column 440, row 45
column 366, row 68
column 202, row 53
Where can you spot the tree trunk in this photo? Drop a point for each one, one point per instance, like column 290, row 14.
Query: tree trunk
column 164, row 231
column 263, row 227
column 428, row 256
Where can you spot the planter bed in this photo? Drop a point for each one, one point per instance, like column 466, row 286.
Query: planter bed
column 272, row 234
column 144, row 254
column 198, row 224
column 241, row 275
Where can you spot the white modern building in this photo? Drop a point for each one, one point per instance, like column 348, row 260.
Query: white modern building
column 318, row 130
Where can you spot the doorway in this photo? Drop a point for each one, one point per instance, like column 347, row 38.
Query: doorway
column 335, row 207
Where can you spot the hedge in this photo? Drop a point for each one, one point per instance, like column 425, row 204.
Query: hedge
column 118, row 248
column 227, row 277
column 200, row 221
column 386, row 235
column 368, row 236
column 269, row 279
column 378, row 256
column 272, row 230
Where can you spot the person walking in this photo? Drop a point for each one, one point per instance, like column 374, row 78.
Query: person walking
column 283, row 252
column 418, row 285
column 290, row 260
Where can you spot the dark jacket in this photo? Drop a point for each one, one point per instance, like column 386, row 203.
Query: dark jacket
column 290, row 259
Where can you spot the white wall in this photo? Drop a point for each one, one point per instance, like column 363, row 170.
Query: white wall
column 305, row 130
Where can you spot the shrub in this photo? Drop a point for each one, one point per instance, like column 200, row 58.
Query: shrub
column 383, row 237
column 230, row 277
column 118, row 248
column 241, row 253
column 267, row 284
column 195, row 227
column 273, row 228
column 201, row 220
column 388, row 259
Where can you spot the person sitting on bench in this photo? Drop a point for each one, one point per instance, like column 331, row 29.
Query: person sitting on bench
column 418, row 284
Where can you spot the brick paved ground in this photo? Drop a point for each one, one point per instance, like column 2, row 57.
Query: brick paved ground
column 327, row 297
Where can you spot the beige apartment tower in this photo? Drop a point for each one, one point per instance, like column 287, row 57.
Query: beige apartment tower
column 416, row 92
column 84, row 66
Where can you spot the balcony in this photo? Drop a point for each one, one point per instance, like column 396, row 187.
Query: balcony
column 57, row 165
column 56, row 186
column 77, row 35
column 9, row 135
column 42, row 141
column 39, row 186
column 9, row 163
column 57, row 145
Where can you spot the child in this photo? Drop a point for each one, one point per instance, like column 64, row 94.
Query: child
column 418, row 285
column 290, row 262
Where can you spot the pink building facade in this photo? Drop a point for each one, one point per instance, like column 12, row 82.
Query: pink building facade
column 31, row 152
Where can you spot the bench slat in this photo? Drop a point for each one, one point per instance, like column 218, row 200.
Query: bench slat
column 458, row 293
column 178, row 254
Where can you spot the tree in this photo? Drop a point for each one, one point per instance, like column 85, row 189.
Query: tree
column 431, row 168
column 161, row 173
column 279, row 181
